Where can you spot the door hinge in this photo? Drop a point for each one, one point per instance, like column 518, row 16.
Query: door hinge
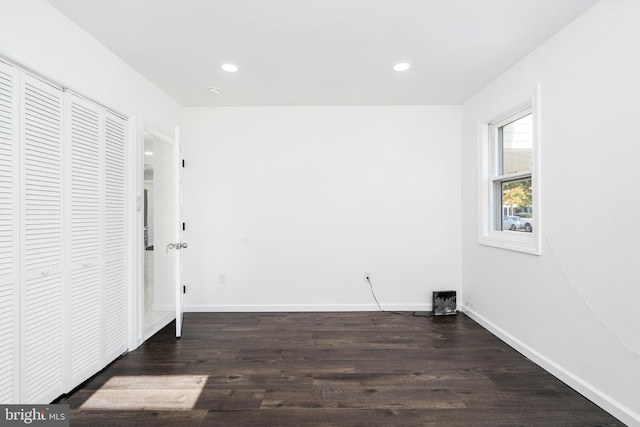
column 182, row 162
column 184, row 289
column 184, row 226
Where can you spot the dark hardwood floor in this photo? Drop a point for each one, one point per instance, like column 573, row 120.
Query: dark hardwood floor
column 328, row 369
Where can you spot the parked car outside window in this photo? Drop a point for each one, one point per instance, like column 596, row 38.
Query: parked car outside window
column 511, row 223
column 527, row 224
column 514, row 222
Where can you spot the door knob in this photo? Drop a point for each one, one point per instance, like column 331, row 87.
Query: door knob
column 177, row 246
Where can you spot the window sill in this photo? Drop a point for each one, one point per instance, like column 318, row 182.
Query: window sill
column 513, row 241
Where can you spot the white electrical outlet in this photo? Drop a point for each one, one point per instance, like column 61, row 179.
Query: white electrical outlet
column 222, row 279
column 367, row 276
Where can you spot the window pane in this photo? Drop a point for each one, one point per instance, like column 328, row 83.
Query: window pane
column 517, row 214
column 517, row 143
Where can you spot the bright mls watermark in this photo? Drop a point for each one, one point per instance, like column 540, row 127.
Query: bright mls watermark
column 34, row 415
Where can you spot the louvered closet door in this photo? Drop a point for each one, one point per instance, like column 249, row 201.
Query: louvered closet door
column 84, row 233
column 41, row 112
column 115, row 298
column 9, row 226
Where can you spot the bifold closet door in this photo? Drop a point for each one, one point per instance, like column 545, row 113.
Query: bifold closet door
column 115, row 236
column 9, row 226
column 84, row 211
column 96, row 224
column 63, row 257
column 41, row 243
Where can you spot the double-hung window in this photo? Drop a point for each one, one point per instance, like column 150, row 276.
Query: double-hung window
column 509, row 191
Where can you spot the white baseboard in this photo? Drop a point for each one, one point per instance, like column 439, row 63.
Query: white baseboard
column 282, row 308
column 592, row 393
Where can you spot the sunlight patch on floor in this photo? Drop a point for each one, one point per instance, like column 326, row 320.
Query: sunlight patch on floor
column 156, row 392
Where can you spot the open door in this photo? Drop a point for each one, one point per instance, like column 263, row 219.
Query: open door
column 180, row 245
column 163, row 292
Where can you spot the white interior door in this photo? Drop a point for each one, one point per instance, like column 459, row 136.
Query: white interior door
column 41, row 262
column 162, row 231
column 180, row 245
column 84, row 147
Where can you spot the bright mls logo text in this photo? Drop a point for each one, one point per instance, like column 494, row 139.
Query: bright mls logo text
column 30, row 415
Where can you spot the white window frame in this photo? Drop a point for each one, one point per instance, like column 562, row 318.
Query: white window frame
column 489, row 196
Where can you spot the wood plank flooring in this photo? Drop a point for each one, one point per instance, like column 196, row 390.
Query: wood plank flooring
column 328, row 369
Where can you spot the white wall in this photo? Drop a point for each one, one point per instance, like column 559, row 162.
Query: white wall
column 34, row 33
column 294, row 204
column 590, row 109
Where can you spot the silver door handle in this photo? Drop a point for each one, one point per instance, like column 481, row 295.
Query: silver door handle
column 177, row 246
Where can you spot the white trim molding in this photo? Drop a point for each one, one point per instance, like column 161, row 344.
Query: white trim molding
column 282, row 308
column 528, row 98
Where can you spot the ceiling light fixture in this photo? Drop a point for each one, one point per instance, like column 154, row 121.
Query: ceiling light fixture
column 230, row 68
column 148, row 153
column 214, row 90
column 403, row 66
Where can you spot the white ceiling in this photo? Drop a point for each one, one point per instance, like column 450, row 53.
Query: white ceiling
column 321, row 52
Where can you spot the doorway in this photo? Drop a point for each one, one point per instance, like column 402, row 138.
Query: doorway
column 159, row 228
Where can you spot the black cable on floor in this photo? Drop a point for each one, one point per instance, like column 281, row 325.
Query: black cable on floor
column 400, row 313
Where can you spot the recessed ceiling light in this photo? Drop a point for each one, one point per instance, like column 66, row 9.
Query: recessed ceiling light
column 214, row 90
column 403, row 66
column 230, row 68
column 148, row 153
